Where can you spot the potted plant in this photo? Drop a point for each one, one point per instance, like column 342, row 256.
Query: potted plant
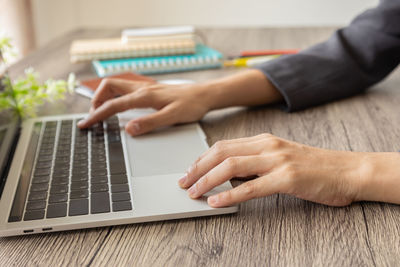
column 25, row 94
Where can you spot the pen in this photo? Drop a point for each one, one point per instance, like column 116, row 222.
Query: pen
column 252, row 53
column 248, row 61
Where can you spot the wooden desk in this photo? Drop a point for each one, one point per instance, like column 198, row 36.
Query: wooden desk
column 277, row 230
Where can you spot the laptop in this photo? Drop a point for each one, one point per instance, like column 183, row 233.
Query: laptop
column 56, row 177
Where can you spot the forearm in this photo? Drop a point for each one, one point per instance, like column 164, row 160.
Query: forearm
column 380, row 178
column 247, row 88
column 344, row 65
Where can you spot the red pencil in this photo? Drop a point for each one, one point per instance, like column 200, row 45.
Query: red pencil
column 254, row 53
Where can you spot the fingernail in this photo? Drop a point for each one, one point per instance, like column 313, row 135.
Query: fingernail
column 190, row 169
column 213, row 200
column 192, row 191
column 81, row 123
column 182, row 181
column 135, row 127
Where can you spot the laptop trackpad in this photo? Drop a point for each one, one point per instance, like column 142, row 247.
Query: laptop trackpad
column 165, row 151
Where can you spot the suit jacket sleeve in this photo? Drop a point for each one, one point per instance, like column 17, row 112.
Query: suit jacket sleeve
column 353, row 59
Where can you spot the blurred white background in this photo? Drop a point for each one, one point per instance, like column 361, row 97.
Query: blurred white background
column 52, row 18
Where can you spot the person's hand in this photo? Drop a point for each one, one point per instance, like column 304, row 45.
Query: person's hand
column 175, row 104
column 178, row 103
column 323, row 176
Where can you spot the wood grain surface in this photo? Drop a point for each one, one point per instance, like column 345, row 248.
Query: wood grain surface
column 275, row 231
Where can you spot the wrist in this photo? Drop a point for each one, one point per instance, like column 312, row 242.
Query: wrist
column 246, row 88
column 379, row 177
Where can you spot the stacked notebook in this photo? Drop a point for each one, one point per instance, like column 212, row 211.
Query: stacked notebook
column 86, row 50
column 147, row 51
column 142, row 42
column 204, row 58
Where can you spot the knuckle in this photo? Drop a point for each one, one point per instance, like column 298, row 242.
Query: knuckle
column 275, row 143
column 265, row 135
column 105, row 81
column 109, row 105
column 230, row 164
column 227, row 196
column 145, row 93
column 193, row 169
column 144, row 90
column 290, row 171
column 248, row 189
column 219, row 149
column 204, row 181
column 283, row 157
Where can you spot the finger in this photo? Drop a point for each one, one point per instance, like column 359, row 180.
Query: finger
column 260, row 187
column 110, row 108
column 235, row 141
column 229, row 168
column 110, row 88
column 217, row 154
column 163, row 117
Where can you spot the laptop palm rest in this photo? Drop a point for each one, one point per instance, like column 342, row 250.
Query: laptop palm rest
column 157, row 161
column 165, row 151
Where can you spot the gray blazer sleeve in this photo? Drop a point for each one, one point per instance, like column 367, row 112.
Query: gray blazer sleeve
column 353, row 59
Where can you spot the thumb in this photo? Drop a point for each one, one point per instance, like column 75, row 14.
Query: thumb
column 163, row 117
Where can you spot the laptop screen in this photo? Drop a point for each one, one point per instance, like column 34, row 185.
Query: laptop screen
column 8, row 137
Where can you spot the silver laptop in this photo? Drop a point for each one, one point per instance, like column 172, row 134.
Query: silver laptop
column 56, row 177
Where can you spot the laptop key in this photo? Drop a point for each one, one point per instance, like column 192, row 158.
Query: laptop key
column 118, row 188
column 79, row 157
column 63, row 153
column 121, row 206
column 33, row 196
column 61, row 172
column 117, row 197
column 79, row 164
column 58, row 198
column 114, row 138
column 100, row 202
column 115, row 149
column 99, row 188
column 39, row 187
column 119, row 179
column 45, row 152
column 76, row 186
column 81, row 150
column 42, row 172
column 45, row 158
column 56, row 210
column 40, row 179
column 80, row 177
column 117, row 168
column 79, row 194
column 99, row 180
column 79, row 171
column 99, row 172
column 43, row 165
column 60, row 181
column 78, row 207
column 59, row 189
column 60, row 176
column 99, row 166
column 36, row 205
column 34, row 215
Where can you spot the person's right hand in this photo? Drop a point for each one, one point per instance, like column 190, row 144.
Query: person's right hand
column 175, row 103
column 178, row 103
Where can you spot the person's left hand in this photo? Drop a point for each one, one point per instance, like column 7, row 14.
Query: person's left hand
column 323, row 176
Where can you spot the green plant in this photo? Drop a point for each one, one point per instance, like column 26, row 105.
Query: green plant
column 25, row 94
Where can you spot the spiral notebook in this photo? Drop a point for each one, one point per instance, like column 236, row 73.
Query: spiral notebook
column 204, row 58
column 97, row 49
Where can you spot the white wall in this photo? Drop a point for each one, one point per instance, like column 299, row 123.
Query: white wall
column 55, row 17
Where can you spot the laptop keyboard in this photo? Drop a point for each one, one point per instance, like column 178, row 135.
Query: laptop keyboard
column 76, row 172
